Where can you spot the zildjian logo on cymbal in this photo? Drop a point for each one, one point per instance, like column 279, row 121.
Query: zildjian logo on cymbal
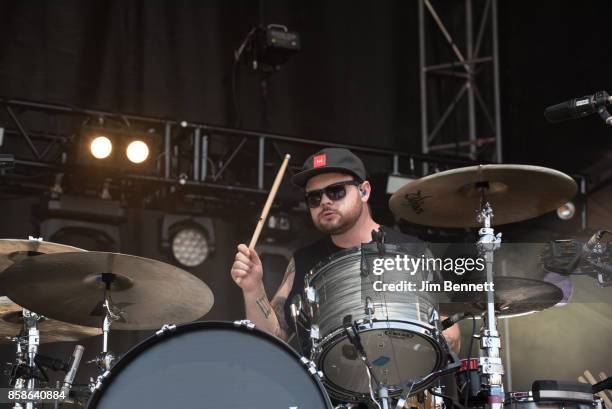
column 416, row 201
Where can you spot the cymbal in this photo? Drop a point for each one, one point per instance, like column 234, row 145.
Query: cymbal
column 451, row 198
column 11, row 324
column 69, row 287
column 13, row 250
column 513, row 295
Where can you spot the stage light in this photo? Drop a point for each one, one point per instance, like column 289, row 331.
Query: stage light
column 137, row 151
column 101, row 147
column 190, row 246
column 567, row 211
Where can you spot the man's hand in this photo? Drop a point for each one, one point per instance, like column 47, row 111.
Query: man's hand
column 247, row 270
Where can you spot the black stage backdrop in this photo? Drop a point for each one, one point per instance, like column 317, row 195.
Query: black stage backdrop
column 356, row 81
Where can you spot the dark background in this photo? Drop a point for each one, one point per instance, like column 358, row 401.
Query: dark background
column 355, row 81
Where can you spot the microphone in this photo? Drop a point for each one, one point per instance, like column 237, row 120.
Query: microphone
column 580, row 107
column 587, row 249
column 452, row 320
column 77, row 354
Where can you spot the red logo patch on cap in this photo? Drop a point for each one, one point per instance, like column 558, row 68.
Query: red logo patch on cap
column 320, row 160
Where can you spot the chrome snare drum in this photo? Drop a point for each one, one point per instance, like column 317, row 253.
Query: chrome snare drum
column 393, row 326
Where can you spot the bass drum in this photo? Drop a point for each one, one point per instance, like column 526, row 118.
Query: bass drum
column 210, row 364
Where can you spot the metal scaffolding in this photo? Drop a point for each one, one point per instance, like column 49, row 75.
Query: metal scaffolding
column 480, row 139
column 224, row 162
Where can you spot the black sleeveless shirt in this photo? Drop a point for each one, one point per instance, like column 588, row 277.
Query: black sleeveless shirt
column 307, row 257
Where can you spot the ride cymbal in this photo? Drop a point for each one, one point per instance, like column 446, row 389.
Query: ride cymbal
column 452, row 198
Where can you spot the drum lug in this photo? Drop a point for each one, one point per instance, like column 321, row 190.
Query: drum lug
column 311, row 295
column 369, row 310
column 100, row 381
column 434, row 317
column 165, row 329
column 314, row 332
column 312, row 368
column 244, row 323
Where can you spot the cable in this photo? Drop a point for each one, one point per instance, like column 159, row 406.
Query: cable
column 234, row 80
column 450, row 398
column 370, row 387
column 469, row 356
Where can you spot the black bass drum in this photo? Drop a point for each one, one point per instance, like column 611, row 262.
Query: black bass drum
column 211, row 364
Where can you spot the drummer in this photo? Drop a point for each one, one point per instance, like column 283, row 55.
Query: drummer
column 337, row 194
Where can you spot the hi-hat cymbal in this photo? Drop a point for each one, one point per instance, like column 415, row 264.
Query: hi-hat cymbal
column 513, row 296
column 451, row 198
column 12, row 250
column 11, row 324
column 69, row 287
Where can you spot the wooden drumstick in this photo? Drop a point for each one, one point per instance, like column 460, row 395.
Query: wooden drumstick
column 266, row 208
column 589, row 376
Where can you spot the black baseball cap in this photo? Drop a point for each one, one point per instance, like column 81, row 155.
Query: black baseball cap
column 330, row 160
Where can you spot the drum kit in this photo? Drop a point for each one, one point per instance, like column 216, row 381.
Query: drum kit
column 365, row 348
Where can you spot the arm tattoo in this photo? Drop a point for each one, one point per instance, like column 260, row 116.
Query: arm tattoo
column 264, row 306
column 279, row 309
column 289, row 272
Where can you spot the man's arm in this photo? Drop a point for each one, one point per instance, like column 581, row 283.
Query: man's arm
column 266, row 315
column 453, row 338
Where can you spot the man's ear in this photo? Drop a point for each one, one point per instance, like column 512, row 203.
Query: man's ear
column 365, row 188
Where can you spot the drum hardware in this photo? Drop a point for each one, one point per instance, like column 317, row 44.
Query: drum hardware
column 407, row 388
column 165, row 329
column 574, row 257
column 369, row 310
column 490, row 364
column 111, row 314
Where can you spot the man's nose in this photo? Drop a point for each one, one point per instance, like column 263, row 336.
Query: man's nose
column 326, row 200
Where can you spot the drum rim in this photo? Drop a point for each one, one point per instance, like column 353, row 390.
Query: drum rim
column 147, row 343
column 334, row 338
column 371, row 247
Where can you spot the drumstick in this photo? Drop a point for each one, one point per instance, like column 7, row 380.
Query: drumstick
column 603, row 376
column 589, row 376
column 266, row 208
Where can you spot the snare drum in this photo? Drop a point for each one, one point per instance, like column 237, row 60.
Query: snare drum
column 214, row 365
column 393, row 326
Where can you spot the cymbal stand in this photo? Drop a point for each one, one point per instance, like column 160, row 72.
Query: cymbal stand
column 111, row 314
column 30, row 322
column 490, row 364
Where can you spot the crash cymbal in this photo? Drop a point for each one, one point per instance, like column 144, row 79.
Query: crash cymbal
column 513, row 296
column 13, row 250
column 69, row 287
column 11, row 324
column 451, row 198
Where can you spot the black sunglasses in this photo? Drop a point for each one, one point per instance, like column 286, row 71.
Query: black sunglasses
column 335, row 191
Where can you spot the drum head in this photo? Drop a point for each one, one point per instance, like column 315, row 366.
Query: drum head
column 213, row 365
column 398, row 354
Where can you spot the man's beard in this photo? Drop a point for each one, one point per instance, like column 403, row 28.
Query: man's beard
column 344, row 224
